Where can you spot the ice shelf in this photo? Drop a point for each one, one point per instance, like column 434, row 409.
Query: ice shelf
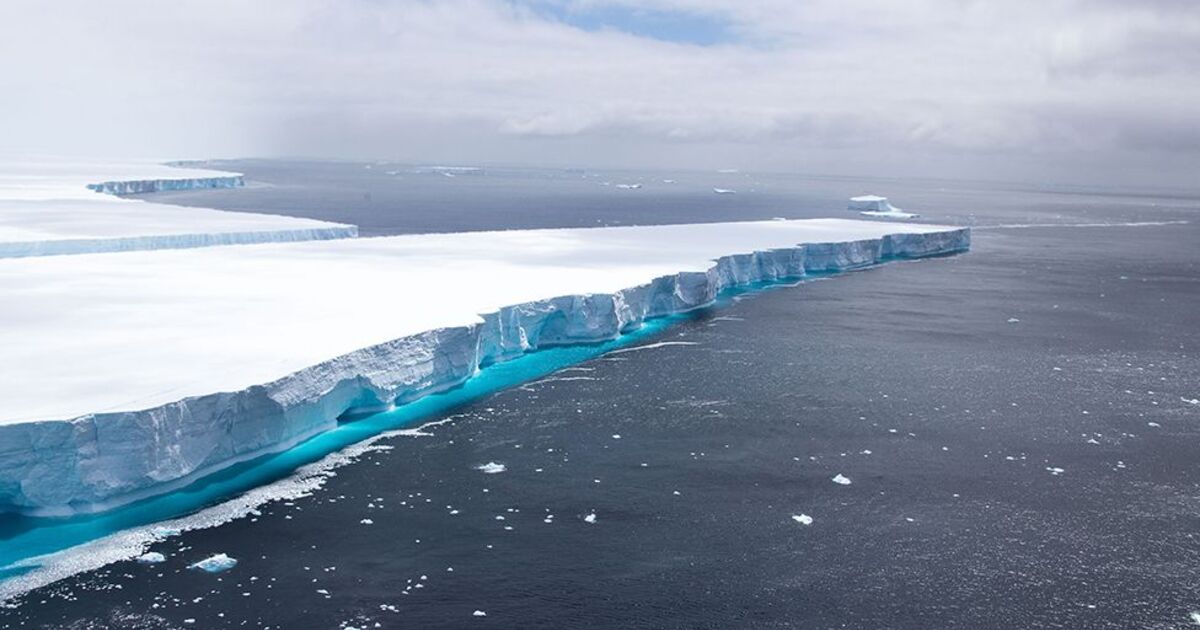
column 123, row 374
column 56, row 207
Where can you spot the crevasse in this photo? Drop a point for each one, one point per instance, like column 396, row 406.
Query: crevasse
column 99, row 461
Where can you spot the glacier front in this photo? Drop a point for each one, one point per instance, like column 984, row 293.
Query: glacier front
column 57, row 207
column 124, row 375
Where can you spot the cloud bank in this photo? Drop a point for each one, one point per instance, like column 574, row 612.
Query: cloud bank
column 1097, row 91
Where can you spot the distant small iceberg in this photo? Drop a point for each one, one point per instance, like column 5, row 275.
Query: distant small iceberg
column 449, row 171
column 629, row 186
column 725, row 191
column 876, row 206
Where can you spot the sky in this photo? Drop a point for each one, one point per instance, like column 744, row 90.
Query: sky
column 1103, row 92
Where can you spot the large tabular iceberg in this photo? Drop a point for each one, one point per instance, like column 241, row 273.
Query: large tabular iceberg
column 61, row 207
column 127, row 374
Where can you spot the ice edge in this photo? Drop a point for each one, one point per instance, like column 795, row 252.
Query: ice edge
column 220, row 179
column 100, row 461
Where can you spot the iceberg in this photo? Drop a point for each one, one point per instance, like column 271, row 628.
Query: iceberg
column 876, row 206
column 59, row 207
column 215, row 564
column 152, row 557
column 124, row 376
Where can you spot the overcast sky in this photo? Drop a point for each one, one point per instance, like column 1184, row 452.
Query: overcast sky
column 1092, row 91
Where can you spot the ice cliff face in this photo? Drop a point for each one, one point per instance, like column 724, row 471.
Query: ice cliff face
column 139, row 186
column 101, row 460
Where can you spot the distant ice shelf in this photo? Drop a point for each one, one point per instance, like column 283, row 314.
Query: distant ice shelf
column 58, row 207
column 126, row 375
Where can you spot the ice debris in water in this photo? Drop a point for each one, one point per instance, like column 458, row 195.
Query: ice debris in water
column 215, row 563
column 590, row 518
column 841, row 480
column 478, row 613
column 1190, row 401
column 1054, row 470
column 152, row 557
column 491, row 468
column 1013, row 320
column 367, row 521
column 803, row 519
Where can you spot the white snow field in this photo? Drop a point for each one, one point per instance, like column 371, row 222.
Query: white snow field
column 122, row 375
column 53, row 207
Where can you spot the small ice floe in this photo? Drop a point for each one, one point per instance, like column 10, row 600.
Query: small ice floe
column 668, row 181
column 841, row 480
column 629, row 186
column 1054, row 470
column 803, row 519
column 725, row 191
column 478, row 613
column 152, row 557
column 590, row 518
column 1153, row 424
column 1190, row 401
column 1013, row 320
column 215, row 563
column 616, row 436
column 367, row 521
column 491, row 468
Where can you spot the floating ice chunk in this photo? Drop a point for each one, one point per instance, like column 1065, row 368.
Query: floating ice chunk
column 152, row 557
column 629, row 186
column 803, row 519
column 1013, row 320
column 1054, row 470
column 1153, row 424
column 724, row 191
column 478, row 613
column 841, row 480
column 491, row 468
column 616, row 436
column 367, row 521
column 876, row 206
column 590, row 518
column 215, row 563
column 1190, row 401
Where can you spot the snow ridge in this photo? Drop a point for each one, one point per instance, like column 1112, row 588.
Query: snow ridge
column 99, row 461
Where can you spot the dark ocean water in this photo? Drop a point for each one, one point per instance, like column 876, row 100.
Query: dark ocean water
column 1019, row 424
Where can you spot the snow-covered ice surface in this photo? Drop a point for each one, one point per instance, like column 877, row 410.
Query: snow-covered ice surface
column 54, row 207
column 122, row 374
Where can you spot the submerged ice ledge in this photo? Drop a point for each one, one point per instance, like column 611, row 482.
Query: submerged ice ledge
column 101, row 460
